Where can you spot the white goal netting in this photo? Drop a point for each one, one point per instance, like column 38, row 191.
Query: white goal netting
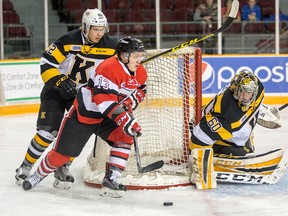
column 173, row 99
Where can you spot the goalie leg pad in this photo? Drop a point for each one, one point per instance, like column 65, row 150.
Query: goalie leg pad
column 261, row 164
column 202, row 169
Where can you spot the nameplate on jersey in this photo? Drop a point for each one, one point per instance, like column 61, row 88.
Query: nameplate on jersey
column 76, row 48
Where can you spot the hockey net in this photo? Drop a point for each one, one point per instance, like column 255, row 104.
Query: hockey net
column 173, row 98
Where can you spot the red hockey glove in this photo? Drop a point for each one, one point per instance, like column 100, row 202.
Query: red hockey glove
column 129, row 124
column 136, row 97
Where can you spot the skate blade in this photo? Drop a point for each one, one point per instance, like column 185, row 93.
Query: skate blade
column 107, row 192
column 19, row 181
column 62, row 185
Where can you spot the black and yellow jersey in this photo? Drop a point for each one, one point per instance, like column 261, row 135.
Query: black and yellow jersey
column 69, row 55
column 224, row 122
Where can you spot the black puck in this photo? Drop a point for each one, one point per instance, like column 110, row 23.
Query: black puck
column 168, row 203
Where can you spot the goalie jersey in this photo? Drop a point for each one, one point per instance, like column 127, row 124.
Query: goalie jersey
column 223, row 121
column 70, row 55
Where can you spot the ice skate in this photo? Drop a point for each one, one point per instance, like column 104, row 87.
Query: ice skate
column 63, row 177
column 110, row 187
column 22, row 173
column 31, row 181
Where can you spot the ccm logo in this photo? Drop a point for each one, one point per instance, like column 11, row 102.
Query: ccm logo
column 122, row 119
column 241, row 178
column 227, row 162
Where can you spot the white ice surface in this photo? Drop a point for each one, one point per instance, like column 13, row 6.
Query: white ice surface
column 228, row 199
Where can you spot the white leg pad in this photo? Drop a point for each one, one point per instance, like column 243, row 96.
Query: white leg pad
column 202, row 169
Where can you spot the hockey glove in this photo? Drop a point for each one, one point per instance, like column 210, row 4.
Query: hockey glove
column 136, row 97
column 66, row 87
column 126, row 121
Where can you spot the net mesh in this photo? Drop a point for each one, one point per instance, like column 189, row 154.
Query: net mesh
column 164, row 115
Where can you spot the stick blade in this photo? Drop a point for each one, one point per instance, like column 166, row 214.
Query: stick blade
column 234, row 9
column 231, row 17
column 151, row 167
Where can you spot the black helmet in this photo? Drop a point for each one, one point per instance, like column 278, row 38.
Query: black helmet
column 129, row 45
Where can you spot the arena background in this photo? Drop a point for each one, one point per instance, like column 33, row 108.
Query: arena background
column 261, row 46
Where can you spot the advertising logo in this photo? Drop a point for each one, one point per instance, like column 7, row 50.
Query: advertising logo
column 271, row 71
column 217, row 72
column 208, row 75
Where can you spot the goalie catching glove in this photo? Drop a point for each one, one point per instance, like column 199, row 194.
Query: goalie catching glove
column 269, row 117
column 126, row 121
column 66, row 87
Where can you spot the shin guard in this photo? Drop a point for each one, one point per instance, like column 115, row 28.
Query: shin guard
column 202, row 168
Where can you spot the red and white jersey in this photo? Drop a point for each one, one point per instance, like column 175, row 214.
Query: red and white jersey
column 111, row 83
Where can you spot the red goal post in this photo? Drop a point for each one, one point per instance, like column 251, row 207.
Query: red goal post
column 174, row 97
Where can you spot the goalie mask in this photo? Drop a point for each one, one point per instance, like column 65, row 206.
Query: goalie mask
column 93, row 17
column 245, row 89
column 128, row 45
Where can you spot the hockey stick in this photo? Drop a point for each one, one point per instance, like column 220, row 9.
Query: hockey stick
column 283, row 107
column 225, row 26
column 154, row 166
column 150, row 167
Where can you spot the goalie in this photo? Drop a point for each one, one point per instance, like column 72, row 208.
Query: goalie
column 227, row 125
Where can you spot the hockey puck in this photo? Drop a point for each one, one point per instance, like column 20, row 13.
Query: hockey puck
column 168, row 203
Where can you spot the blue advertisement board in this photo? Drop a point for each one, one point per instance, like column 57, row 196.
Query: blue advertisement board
column 271, row 70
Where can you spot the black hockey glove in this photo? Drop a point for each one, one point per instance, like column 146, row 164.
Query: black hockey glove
column 66, row 87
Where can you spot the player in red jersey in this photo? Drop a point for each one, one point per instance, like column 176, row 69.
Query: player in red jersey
column 100, row 109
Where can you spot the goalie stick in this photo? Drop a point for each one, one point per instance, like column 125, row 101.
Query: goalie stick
column 225, row 26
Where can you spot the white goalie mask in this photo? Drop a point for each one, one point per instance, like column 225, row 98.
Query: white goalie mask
column 245, row 89
column 93, row 17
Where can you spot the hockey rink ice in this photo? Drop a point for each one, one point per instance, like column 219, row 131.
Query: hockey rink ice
column 228, row 199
